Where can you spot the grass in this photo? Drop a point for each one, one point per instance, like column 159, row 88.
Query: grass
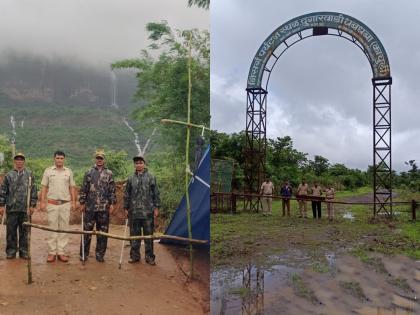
column 301, row 289
column 401, row 283
column 354, row 289
column 239, row 238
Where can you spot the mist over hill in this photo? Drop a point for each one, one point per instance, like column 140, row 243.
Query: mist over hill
column 63, row 103
column 61, row 80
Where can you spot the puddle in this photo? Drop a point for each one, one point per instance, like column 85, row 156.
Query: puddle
column 349, row 216
column 244, row 291
column 331, row 260
column 382, row 311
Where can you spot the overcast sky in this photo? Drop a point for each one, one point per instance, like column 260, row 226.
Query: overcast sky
column 320, row 92
column 96, row 31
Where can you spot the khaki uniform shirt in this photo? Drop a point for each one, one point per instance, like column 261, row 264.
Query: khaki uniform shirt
column 267, row 188
column 316, row 191
column 302, row 190
column 329, row 193
column 58, row 183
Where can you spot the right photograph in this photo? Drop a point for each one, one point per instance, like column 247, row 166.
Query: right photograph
column 315, row 190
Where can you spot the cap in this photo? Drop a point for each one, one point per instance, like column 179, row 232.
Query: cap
column 19, row 154
column 100, row 153
column 139, row 158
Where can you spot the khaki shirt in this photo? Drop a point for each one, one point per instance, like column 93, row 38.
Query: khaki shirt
column 316, row 191
column 329, row 193
column 302, row 190
column 267, row 188
column 58, row 183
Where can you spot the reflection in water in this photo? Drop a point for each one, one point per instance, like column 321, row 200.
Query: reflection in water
column 253, row 283
column 383, row 311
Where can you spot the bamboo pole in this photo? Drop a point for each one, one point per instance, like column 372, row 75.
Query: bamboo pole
column 187, row 160
column 171, row 121
column 118, row 237
column 28, row 211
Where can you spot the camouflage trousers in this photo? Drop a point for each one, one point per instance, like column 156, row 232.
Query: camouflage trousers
column 101, row 219
column 14, row 223
column 136, row 225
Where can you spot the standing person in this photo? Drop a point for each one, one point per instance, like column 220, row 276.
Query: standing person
column 316, row 204
column 266, row 189
column 58, row 196
column 13, row 195
column 329, row 196
column 286, row 193
column 141, row 205
column 302, row 191
column 97, row 198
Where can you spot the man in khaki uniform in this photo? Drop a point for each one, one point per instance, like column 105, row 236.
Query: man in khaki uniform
column 58, row 197
column 302, row 191
column 266, row 189
column 316, row 204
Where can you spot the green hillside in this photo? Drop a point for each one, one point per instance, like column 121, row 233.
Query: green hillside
column 75, row 129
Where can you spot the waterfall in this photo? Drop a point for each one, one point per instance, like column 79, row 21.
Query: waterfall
column 114, row 90
column 136, row 136
column 13, row 123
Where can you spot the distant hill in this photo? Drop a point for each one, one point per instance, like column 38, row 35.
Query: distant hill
column 60, row 104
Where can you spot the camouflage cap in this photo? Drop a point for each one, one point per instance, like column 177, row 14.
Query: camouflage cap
column 139, row 158
column 100, row 153
column 19, row 155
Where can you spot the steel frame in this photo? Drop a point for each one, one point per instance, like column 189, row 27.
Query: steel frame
column 382, row 170
column 256, row 144
column 256, row 122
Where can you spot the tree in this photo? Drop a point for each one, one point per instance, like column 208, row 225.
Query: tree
column 205, row 4
column 320, row 165
column 7, row 160
column 163, row 81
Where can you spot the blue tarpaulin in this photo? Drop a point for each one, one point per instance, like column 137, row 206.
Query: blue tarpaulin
column 199, row 190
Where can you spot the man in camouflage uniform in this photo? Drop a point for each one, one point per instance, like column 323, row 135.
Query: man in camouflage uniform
column 141, row 204
column 13, row 195
column 97, row 198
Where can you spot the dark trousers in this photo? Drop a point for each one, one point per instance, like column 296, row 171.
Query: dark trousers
column 14, row 223
column 101, row 219
column 285, row 204
column 316, row 207
column 136, row 225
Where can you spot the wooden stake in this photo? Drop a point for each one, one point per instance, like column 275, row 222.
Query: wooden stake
column 122, row 247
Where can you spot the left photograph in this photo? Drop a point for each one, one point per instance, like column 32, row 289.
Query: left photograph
column 105, row 157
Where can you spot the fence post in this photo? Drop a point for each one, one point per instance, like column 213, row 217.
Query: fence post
column 413, row 209
column 233, row 202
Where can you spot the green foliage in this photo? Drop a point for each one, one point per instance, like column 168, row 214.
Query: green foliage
column 163, row 82
column 77, row 130
column 6, row 149
column 205, row 4
column 38, row 166
column 117, row 161
column 162, row 93
column 410, row 179
column 169, row 172
column 284, row 162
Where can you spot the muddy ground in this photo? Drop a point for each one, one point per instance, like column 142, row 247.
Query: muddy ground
column 276, row 265
column 101, row 288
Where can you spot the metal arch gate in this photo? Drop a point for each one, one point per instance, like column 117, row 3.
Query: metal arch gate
column 285, row 36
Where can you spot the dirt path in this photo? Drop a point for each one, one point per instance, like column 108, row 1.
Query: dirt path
column 101, row 288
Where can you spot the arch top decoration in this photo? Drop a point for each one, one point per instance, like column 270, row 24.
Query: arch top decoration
column 321, row 23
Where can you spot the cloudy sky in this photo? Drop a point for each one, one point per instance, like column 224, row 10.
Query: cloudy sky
column 320, row 92
column 95, row 31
